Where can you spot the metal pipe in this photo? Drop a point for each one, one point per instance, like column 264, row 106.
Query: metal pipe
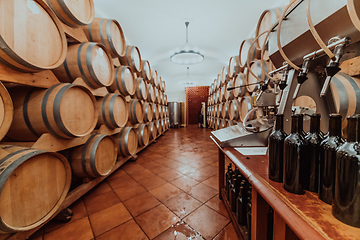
column 331, row 46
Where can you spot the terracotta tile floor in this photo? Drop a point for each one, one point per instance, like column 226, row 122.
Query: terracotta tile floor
column 170, row 192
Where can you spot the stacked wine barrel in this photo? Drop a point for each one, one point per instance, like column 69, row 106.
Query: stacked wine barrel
column 244, row 71
column 105, row 103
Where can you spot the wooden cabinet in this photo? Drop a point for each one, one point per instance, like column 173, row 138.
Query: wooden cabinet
column 295, row 216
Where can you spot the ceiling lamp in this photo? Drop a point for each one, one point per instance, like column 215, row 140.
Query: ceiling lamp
column 187, row 55
column 188, row 82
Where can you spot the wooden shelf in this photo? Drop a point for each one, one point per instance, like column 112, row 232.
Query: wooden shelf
column 75, row 194
column 305, row 215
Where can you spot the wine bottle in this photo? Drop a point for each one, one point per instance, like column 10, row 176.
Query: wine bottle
column 241, row 203
column 295, row 147
column 346, row 201
column 328, row 149
column 276, row 150
column 228, row 181
column 314, row 139
column 235, row 192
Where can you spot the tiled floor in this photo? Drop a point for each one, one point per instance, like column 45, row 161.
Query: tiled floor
column 170, row 192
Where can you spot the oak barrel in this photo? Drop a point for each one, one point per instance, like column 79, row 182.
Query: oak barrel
column 126, row 142
column 219, row 110
column 6, row 111
column 245, row 106
column 161, row 113
column 240, row 80
column 141, row 89
column 132, row 58
column 244, row 52
column 145, row 72
column 89, row 61
column 148, row 112
column 124, row 81
column 258, row 67
column 34, row 183
column 234, row 66
column 160, row 84
column 163, row 125
column 225, row 110
column 158, row 126
column 234, row 110
column 109, row 33
column 31, row 37
column 155, row 78
column 152, row 130
column 64, row 110
column 164, row 86
column 112, row 111
column 156, row 113
column 142, row 134
column 346, row 95
column 96, row 158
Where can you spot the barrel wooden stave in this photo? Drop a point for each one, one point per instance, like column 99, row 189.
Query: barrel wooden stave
column 145, row 72
column 246, row 104
column 152, row 130
column 126, row 142
column 136, row 114
column 244, row 52
column 142, row 135
column 132, row 58
column 141, row 89
column 148, row 112
column 64, row 110
column 124, row 81
column 258, row 67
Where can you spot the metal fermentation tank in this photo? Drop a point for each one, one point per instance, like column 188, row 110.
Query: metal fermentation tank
column 175, row 114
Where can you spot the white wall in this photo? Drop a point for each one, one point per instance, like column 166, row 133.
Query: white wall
column 176, row 96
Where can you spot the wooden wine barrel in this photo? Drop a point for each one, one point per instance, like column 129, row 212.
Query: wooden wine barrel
column 148, row 112
column 136, row 114
column 109, row 33
column 266, row 21
column 163, row 125
column 158, row 126
column 234, row 110
column 228, row 94
column 6, row 111
column 225, row 110
column 222, row 124
column 230, row 123
column 245, row 106
column 145, row 72
column 89, row 61
column 155, row 78
column 161, row 113
column 221, row 95
column 132, row 58
column 167, row 111
column 141, row 89
column 234, row 66
column 73, row 13
column 219, row 110
column 217, row 123
column 31, row 36
column 126, row 142
column 112, row 111
column 223, row 75
column 244, row 50
column 64, row 110
column 34, row 184
column 218, row 81
column 156, row 113
column 152, row 130
column 346, row 95
column 142, row 135
column 164, row 87
column 157, row 96
column 165, row 100
column 240, row 80
column 124, row 81
column 96, row 158
column 151, row 93
column 258, row 67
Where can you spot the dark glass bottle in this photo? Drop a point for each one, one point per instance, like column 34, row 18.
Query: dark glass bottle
column 270, row 224
column 346, row 201
column 248, row 215
column 228, row 181
column 241, row 203
column 328, row 149
column 295, row 148
column 235, row 192
column 276, row 150
column 314, row 139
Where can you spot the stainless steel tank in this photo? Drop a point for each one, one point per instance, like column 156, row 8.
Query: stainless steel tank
column 175, row 114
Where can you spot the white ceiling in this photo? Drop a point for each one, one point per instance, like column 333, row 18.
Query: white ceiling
column 157, row 28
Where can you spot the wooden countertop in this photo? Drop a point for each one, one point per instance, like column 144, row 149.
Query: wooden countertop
column 306, row 215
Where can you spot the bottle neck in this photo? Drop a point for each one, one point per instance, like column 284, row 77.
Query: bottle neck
column 279, row 125
column 335, row 125
column 351, row 129
column 296, row 123
column 315, row 123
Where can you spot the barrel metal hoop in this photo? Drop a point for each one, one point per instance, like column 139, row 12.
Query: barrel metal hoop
column 56, row 111
column 90, row 67
column 81, row 68
column 103, row 113
column 83, row 156
column 111, row 110
column 26, row 115
column 57, row 13
column 90, row 33
column 43, row 110
column 123, row 82
column 69, row 14
column 127, row 142
column 67, row 70
column 108, row 31
column 93, row 154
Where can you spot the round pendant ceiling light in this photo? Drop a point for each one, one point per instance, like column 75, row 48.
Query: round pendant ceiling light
column 187, row 55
